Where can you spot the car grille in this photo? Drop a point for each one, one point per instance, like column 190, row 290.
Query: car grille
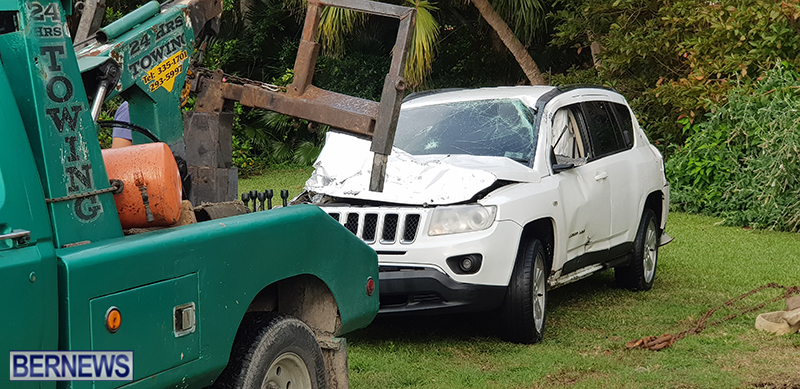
column 384, row 227
column 352, row 222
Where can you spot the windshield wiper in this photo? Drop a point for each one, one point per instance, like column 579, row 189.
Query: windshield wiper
column 520, row 160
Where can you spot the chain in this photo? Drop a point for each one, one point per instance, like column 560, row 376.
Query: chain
column 658, row 342
column 116, row 188
column 208, row 73
column 701, row 325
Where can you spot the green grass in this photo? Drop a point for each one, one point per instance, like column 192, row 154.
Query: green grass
column 291, row 178
column 589, row 322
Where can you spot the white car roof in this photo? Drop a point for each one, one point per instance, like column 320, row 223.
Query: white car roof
column 529, row 94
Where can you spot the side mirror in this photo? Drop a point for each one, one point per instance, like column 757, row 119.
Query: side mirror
column 558, row 167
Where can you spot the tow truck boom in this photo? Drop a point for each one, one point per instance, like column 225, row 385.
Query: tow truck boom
column 301, row 99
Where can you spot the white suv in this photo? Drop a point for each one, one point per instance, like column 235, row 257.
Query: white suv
column 494, row 196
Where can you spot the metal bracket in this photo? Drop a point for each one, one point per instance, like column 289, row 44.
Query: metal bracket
column 91, row 18
column 303, row 100
column 19, row 236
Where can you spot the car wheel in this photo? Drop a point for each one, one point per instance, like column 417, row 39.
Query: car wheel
column 641, row 272
column 524, row 307
column 274, row 351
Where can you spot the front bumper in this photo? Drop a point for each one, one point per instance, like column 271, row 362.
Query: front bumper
column 426, row 290
column 414, row 274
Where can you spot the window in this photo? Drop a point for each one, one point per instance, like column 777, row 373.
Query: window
column 625, row 123
column 567, row 136
column 604, row 132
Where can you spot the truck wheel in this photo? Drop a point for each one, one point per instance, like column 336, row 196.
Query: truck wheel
column 275, row 351
column 641, row 272
column 524, row 307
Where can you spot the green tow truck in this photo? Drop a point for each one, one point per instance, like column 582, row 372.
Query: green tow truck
column 252, row 300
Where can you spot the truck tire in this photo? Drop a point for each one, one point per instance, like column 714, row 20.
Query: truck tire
column 274, row 351
column 640, row 274
column 524, row 308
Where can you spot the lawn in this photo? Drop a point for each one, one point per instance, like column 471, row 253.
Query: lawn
column 589, row 322
column 289, row 178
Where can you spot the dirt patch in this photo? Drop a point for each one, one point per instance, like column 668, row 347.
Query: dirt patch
column 467, row 357
column 571, row 376
column 776, row 385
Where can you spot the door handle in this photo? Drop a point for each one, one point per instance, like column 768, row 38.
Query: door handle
column 601, row 176
column 21, row 236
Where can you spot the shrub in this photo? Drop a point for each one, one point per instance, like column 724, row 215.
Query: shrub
column 742, row 162
column 676, row 59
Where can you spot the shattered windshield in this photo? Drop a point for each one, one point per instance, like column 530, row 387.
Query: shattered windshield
column 499, row 128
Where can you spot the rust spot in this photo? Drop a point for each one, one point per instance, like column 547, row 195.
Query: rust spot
column 116, row 56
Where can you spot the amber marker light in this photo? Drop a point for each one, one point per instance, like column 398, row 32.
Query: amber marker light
column 370, row 286
column 113, row 319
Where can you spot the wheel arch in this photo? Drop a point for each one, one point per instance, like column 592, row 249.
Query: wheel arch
column 308, row 299
column 305, row 297
column 655, row 201
column 544, row 230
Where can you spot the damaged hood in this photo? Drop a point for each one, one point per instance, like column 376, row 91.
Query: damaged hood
column 343, row 170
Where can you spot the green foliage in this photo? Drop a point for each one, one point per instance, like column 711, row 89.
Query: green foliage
column 527, row 19
column 424, row 42
column 470, row 54
column 107, row 113
column 334, row 25
column 290, row 139
column 248, row 144
column 679, row 59
column 357, row 74
column 337, row 24
column 253, row 42
column 742, row 162
column 104, row 137
column 111, row 15
column 220, row 53
column 243, row 157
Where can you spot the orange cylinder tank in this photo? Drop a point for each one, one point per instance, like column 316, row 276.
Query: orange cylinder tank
column 150, row 168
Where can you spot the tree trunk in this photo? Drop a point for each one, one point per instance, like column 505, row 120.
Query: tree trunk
column 244, row 8
column 512, row 43
column 596, row 48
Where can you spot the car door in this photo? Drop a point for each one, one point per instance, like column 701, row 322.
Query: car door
column 626, row 191
column 28, row 272
column 585, row 192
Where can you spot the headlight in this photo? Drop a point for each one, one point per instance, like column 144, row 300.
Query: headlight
column 461, row 218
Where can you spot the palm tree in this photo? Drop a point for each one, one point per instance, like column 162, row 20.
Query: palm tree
column 335, row 23
column 526, row 15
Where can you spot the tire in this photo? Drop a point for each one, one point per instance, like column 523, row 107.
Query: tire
column 273, row 351
column 524, row 308
column 640, row 274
